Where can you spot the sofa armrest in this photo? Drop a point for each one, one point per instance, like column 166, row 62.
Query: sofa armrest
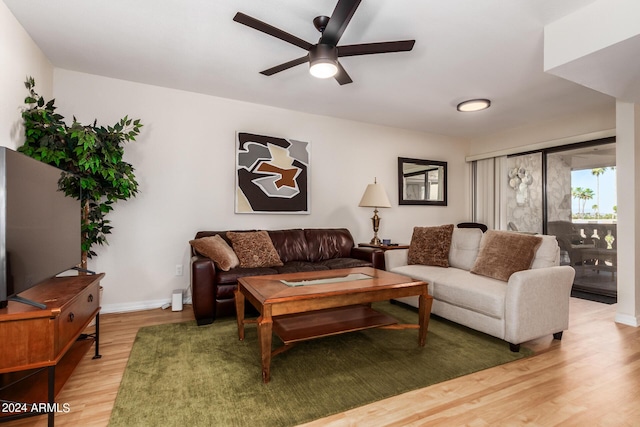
column 374, row 255
column 203, row 272
column 537, row 303
column 396, row 258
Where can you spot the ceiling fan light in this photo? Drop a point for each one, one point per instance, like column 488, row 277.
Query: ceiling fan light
column 323, row 61
column 323, row 69
column 474, row 105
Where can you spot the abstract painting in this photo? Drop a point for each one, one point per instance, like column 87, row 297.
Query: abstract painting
column 272, row 175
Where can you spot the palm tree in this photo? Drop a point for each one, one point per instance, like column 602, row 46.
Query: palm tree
column 582, row 194
column 576, row 193
column 587, row 194
column 597, row 172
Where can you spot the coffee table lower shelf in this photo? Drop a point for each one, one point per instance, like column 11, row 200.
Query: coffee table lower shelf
column 294, row 328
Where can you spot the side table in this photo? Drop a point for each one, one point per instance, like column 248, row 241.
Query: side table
column 383, row 247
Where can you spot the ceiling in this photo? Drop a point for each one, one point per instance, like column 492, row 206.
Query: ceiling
column 464, row 49
column 591, row 157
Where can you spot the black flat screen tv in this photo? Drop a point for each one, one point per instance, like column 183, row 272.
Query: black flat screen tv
column 40, row 227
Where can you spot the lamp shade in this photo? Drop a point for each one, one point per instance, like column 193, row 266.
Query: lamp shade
column 375, row 197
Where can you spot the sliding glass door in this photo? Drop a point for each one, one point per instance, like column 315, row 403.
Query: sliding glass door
column 581, row 199
column 569, row 192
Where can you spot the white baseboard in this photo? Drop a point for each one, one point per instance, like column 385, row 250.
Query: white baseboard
column 626, row 319
column 137, row 306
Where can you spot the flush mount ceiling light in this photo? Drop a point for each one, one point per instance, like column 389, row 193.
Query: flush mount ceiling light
column 474, row 105
column 323, row 61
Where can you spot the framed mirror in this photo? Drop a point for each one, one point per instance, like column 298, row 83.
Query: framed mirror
column 422, row 182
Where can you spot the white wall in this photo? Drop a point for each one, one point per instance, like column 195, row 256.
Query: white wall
column 185, row 165
column 597, row 53
column 19, row 58
column 584, row 31
column 628, row 174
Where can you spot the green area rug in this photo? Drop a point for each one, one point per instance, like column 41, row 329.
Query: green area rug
column 182, row 374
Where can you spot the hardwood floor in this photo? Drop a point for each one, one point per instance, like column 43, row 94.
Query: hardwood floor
column 591, row 377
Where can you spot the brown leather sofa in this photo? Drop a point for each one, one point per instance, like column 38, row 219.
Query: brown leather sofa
column 300, row 250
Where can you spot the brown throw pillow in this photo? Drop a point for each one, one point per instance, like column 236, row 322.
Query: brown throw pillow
column 502, row 253
column 216, row 249
column 430, row 245
column 254, row 249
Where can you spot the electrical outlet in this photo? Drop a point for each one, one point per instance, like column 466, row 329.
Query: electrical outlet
column 178, row 269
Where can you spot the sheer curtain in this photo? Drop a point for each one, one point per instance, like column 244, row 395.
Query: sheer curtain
column 490, row 192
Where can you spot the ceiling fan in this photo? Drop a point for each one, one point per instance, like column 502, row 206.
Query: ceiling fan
column 323, row 56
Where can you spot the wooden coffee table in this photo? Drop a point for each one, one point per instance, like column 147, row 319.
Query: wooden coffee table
column 305, row 309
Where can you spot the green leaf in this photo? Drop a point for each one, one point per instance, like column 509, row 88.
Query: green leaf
column 93, row 153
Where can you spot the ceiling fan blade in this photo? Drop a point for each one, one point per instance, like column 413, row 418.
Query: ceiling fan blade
column 339, row 20
column 372, row 48
column 271, row 71
column 271, row 30
column 342, row 77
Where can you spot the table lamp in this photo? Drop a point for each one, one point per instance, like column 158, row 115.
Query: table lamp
column 375, row 197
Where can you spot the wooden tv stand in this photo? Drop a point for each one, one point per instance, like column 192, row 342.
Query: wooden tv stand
column 34, row 342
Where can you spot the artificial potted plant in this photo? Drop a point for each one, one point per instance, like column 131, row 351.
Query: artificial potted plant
column 92, row 153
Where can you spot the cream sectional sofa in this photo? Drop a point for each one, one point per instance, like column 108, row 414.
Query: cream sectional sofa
column 531, row 304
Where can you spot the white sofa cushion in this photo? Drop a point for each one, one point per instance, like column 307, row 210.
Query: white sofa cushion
column 461, row 288
column 548, row 253
column 465, row 243
column 426, row 273
column 470, row 291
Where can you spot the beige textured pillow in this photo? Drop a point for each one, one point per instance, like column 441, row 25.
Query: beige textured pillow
column 430, row 245
column 502, row 253
column 254, row 249
column 216, row 249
